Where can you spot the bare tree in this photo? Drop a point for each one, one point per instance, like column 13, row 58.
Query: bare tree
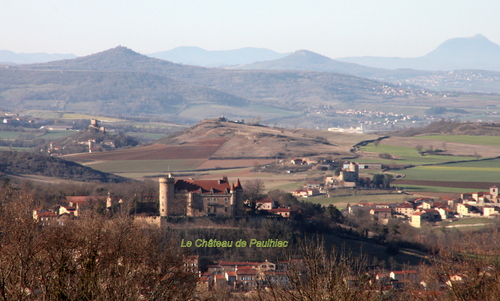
column 320, row 275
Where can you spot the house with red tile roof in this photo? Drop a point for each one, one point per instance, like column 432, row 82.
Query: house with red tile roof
column 266, row 204
column 284, row 212
column 405, row 209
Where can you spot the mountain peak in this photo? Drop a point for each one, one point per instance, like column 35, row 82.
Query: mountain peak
column 479, row 37
column 118, row 50
column 476, row 48
column 308, row 56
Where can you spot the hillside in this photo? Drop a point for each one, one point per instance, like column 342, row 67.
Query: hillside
column 218, row 143
column 248, row 84
column 253, row 141
column 257, row 85
column 23, row 163
column 444, row 127
column 309, row 61
column 121, row 82
column 111, row 93
column 482, row 81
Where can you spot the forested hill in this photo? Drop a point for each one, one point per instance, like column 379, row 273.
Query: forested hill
column 18, row 163
column 257, row 85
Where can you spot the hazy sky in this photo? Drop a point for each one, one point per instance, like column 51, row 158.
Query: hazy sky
column 335, row 28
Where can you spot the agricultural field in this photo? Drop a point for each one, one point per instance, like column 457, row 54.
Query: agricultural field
column 485, row 146
column 404, row 155
column 49, row 135
column 144, row 166
column 466, row 139
column 200, row 150
column 453, row 172
column 9, row 135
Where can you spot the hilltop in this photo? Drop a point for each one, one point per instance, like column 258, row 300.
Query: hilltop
column 255, row 140
column 310, row 61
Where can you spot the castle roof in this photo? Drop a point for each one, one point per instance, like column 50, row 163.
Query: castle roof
column 203, row 186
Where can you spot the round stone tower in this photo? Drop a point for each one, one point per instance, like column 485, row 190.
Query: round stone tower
column 166, row 194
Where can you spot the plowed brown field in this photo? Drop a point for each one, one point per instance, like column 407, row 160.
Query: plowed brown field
column 197, row 150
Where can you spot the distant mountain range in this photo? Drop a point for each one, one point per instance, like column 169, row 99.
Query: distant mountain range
column 475, row 52
column 121, row 82
column 200, row 57
column 9, row 57
column 465, row 80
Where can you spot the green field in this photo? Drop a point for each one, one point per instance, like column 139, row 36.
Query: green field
column 437, row 189
column 409, row 155
column 7, row 135
column 476, row 140
column 42, row 114
column 453, row 173
column 50, row 135
column 472, row 221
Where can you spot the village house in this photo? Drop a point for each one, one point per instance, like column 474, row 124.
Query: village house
column 427, row 215
column 191, row 263
column 370, row 165
column 283, row 212
column 404, row 209
column 490, row 211
column 45, row 218
column 239, row 275
column 304, row 193
column 467, row 210
column 347, row 177
column 313, row 185
column 382, row 214
column 266, row 204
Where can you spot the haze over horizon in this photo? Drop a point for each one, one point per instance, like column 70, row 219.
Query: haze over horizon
column 336, row 29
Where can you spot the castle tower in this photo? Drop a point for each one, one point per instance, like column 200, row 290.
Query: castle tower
column 166, row 194
column 494, row 193
column 237, row 198
column 109, row 202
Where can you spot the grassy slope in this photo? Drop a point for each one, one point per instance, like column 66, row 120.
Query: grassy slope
column 477, row 140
